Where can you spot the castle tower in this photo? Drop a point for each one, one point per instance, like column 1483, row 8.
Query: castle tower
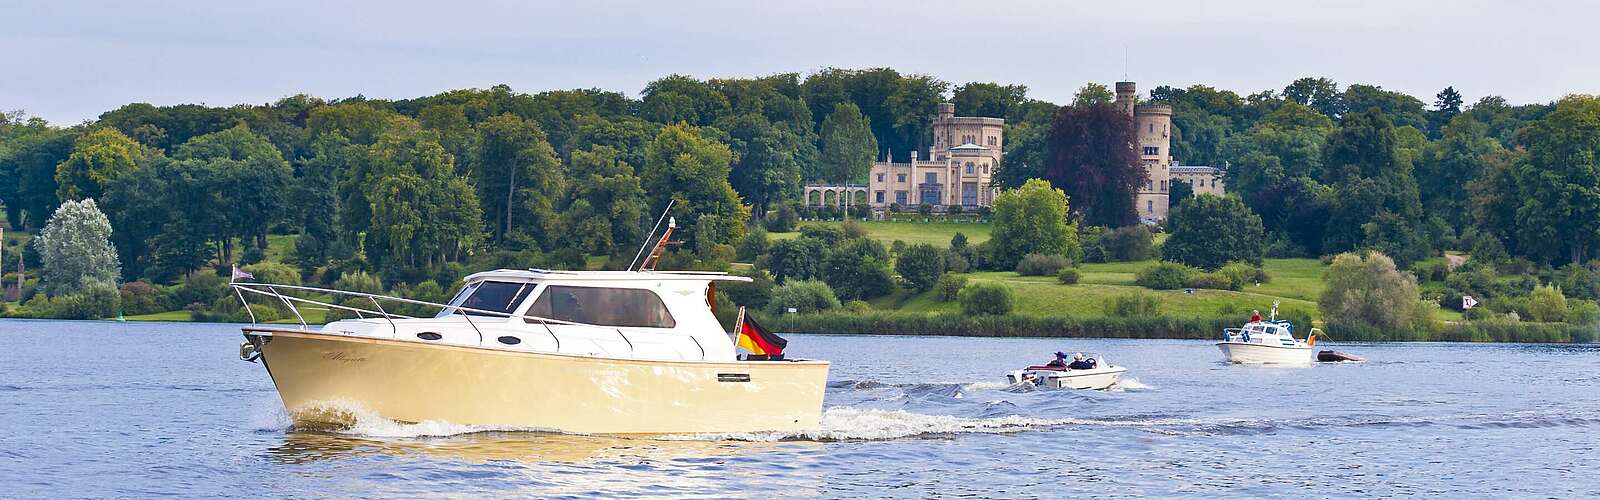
column 1154, row 132
column 1127, row 96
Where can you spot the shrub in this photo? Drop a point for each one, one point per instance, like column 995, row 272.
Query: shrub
column 1430, row 270
column 755, row 294
column 949, row 286
column 1068, row 276
column 782, row 220
column 1132, row 305
column 202, row 287
column 897, row 247
column 858, row 269
column 853, row 230
column 804, row 296
column 1583, row 312
column 139, row 297
column 753, row 245
column 1035, row 264
column 828, row 235
column 1210, row 281
column 1164, row 276
column 1547, row 305
column 93, row 299
column 857, row 307
column 925, row 209
column 264, row 313
column 920, row 266
column 273, row 272
column 1129, row 244
column 955, row 263
column 986, row 299
column 1242, row 274
column 953, row 209
column 860, row 211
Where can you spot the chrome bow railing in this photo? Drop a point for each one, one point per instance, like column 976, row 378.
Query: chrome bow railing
column 290, row 301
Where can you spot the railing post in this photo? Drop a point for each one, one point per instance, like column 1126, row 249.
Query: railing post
column 292, row 308
column 395, row 330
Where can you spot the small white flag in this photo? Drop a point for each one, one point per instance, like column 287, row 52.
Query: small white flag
column 241, row 275
column 1467, row 302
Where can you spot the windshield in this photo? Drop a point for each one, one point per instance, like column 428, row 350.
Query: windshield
column 497, row 296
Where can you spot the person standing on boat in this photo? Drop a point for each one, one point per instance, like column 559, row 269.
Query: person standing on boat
column 1255, row 316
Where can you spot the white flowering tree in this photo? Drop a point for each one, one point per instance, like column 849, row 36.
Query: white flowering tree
column 75, row 248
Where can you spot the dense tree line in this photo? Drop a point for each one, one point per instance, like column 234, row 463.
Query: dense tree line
column 407, row 188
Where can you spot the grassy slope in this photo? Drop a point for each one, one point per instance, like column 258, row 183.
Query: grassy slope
column 934, row 233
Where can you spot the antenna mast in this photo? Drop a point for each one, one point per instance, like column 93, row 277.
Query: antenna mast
column 653, row 229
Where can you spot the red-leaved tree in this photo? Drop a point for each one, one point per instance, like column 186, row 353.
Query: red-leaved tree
column 1092, row 158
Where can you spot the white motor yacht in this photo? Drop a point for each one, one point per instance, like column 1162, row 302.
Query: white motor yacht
column 1101, row 375
column 605, row 352
column 1267, row 342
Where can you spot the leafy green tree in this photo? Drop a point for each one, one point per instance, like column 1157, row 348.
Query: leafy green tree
column 767, row 166
column 920, row 266
column 1209, row 231
column 848, row 146
column 250, row 174
column 1032, row 219
column 804, row 296
column 1370, row 176
column 1402, row 109
column 1090, row 158
column 75, row 249
column 912, row 106
column 1370, row 292
column 1559, row 182
column 608, row 207
column 361, row 122
column 799, row 258
column 28, row 171
column 98, row 158
column 1093, row 94
column 989, row 99
column 681, row 165
column 681, row 99
column 1320, row 94
column 1179, row 191
column 518, row 175
column 858, row 269
column 1460, row 155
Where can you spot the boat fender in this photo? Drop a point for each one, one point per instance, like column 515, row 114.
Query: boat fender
column 248, row 352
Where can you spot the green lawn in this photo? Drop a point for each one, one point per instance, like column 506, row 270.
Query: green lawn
column 280, row 246
column 934, row 233
column 1041, row 296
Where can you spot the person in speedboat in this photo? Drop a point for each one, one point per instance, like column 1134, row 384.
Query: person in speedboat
column 1080, row 363
column 1060, row 361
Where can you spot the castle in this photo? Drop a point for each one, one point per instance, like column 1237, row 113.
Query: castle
column 959, row 169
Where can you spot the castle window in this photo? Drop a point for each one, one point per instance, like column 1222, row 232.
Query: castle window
column 900, row 178
column 880, row 193
column 969, row 168
column 1152, row 151
column 931, row 178
column 1152, row 128
column 991, row 141
column 1150, row 206
column 880, row 177
column 1163, row 186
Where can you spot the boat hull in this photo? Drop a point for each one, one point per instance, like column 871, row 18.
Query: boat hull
column 1096, row 379
column 320, row 376
column 1240, row 352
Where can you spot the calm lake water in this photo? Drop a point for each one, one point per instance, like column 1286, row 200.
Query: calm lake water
column 98, row 409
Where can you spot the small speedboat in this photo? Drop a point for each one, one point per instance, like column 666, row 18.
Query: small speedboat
column 1267, row 342
column 1102, row 376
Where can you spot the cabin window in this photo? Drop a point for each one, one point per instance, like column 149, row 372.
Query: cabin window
column 628, row 307
column 498, row 296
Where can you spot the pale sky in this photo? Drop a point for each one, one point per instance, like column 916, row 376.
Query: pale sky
column 69, row 61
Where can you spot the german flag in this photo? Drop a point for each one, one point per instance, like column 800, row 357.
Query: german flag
column 762, row 344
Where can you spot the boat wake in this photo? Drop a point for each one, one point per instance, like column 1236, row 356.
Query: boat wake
column 845, row 423
column 349, row 418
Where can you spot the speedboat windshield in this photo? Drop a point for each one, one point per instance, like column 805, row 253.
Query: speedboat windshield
column 497, row 296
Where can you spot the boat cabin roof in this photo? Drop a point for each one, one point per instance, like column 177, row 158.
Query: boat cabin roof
column 539, row 275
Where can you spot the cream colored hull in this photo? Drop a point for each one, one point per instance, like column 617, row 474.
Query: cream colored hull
column 1241, row 352
column 413, row 382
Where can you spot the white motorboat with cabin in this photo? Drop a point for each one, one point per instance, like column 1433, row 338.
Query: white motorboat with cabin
column 1091, row 372
column 1268, row 341
column 603, row 352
